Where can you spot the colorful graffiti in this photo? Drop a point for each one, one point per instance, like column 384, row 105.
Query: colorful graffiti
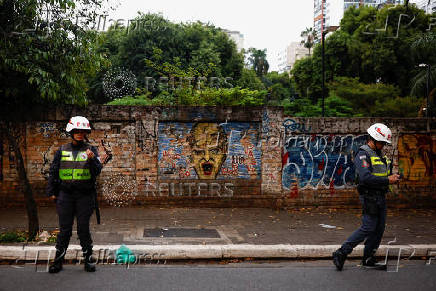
column 210, row 151
column 417, row 158
column 146, row 136
column 202, row 113
column 47, row 128
column 265, row 122
column 291, row 125
column 313, row 160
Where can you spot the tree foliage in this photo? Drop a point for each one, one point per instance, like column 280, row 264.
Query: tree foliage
column 374, row 99
column 43, row 60
column 197, row 92
column 423, row 50
column 201, row 49
column 309, row 37
column 257, row 61
column 374, row 46
column 191, row 96
column 250, row 80
column 279, row 86
column 47, row 63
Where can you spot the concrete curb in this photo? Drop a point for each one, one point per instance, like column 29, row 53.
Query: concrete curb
column 192, row 252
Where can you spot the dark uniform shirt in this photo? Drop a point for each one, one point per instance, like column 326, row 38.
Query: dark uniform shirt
column 362, row 164
column 54, row 182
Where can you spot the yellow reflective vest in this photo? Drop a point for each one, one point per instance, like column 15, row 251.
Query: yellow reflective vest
column 379, row 168
column 74, row 169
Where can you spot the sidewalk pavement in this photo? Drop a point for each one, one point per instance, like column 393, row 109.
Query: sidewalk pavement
column 216, row 233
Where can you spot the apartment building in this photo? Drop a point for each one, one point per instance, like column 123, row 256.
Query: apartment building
column 429, row 6
column 293, row 52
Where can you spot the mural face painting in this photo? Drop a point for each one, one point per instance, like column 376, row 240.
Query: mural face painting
column 209, row 151
column 313, row 160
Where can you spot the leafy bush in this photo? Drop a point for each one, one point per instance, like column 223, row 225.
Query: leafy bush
column 362, row 97
column 13, row 236
column 303, row 107
column 337, row 107
column 250, row 80
column 398, row 107
column 132, row 101
column 209, row 96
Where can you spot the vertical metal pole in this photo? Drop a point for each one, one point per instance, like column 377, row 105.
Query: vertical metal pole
column 323, row 72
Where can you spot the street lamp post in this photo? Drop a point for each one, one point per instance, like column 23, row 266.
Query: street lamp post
column 427, row 89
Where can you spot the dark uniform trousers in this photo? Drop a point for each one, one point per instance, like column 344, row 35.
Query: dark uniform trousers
column 68, row 206
column 372, row 170
column 372, row 228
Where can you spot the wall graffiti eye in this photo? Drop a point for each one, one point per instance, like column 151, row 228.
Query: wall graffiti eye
column 214, row 151
column 119, row 82
column 198, row 152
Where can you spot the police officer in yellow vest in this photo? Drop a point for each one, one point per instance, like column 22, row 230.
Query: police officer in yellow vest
column 72, row 185
column 374, row 172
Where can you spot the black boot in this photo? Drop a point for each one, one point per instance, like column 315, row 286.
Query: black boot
column 89, row 263
column 371, row 263
column 339, row 259
column 56, row 267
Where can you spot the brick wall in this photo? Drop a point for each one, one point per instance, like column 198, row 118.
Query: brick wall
column 223, row 156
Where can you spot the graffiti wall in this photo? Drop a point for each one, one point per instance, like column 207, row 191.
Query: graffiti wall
column 417, row 158
column 222, row 156
column 312, row 161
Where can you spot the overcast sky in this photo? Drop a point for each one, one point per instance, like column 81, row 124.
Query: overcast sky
column 269, row 24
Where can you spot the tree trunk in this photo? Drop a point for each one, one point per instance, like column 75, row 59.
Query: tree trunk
column 31, row 208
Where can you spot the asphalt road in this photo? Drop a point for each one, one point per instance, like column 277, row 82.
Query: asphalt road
column 289, row 275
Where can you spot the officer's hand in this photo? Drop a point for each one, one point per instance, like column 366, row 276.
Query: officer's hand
column 394, row 178
column 53, row 198
column 90, row 154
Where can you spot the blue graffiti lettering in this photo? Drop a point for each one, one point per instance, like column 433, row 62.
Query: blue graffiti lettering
column 313, row 160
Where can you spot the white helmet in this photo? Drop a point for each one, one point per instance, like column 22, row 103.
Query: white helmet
column 78, row 122
column 380, row 132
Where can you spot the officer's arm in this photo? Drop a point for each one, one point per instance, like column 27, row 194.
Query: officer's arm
column 362, row 166
column 96, row 165
column 53, row 179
